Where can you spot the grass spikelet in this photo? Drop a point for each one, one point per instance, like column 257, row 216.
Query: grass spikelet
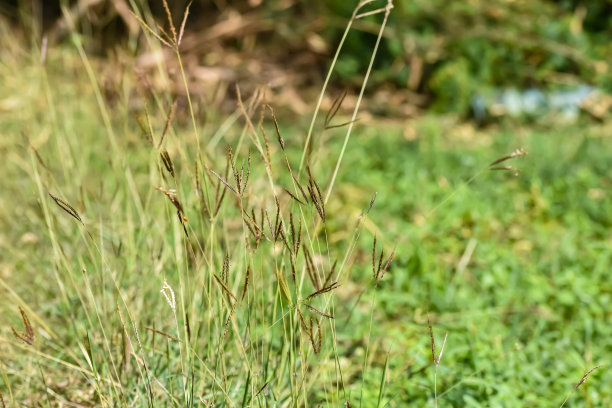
column 180, row 213
column 310, row 269
column 168, row 294
column 295, row 237
column 315, row 195
column 170, row 22
column 246, row 282
column 331, row 273
column 320, row 313
column 169, row 336
column 280, row 139
column 260, row 126
column 326, row 289
column 333, row 110
column 224, row 182
column 167, row 162
column 517, row 153
column 225, row 269
column 67, row 207
column 293, row 196
column 146, row 127
column 578, row 384
column 224, row 287
column 297, row 183
column 27, row 336
column 182, row 29
column 263, row 387
column 248, row 173
column 494, row 166
column 229, row 318
column 378, row 271
column 188, row 326
column 584, row 377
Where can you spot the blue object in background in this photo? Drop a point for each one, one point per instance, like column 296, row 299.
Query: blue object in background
column 531, row 102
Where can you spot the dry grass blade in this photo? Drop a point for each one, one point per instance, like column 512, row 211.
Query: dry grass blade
column 67, row 207
column 326, row 289
column 155, row 331
column 26, row 336
column 2, row 404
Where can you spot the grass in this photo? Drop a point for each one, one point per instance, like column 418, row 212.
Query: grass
column 127, row 304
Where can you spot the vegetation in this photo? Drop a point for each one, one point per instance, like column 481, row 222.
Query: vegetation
column 155, row 255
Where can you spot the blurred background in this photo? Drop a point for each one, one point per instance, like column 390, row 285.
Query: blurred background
column 481, row 59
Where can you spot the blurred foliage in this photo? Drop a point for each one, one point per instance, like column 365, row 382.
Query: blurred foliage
column 446, row 50
column 452, row 50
